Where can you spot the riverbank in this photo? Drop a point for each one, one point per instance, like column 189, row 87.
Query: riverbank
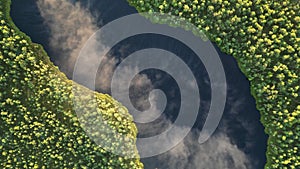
column 39, row 123
column 263, row 38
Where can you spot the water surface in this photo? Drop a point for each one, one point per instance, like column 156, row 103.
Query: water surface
column 241, row 118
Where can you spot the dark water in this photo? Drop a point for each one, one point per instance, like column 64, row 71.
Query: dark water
column 240, row 120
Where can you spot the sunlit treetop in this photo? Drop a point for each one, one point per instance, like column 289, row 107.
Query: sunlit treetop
column 38, row 124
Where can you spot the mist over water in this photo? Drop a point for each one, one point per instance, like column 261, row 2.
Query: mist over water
column 63, row 27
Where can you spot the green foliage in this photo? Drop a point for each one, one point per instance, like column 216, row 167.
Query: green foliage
column 38, row 124
column 264, row 37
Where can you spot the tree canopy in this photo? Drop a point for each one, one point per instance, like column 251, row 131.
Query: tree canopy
column 38, row 124
column 264, row 37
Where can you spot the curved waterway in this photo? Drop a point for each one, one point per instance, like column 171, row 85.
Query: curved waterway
column 239, row 141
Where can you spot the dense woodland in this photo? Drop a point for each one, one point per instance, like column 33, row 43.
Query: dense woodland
column 38, row 122
column 264, row 37
column 39, row 127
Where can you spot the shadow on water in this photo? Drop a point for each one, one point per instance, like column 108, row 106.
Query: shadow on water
column 240, row 119
column 27, row 18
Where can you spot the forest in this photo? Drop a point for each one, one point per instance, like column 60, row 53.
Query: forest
column 264, row 37
column 38, row 118
column 39, row 127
